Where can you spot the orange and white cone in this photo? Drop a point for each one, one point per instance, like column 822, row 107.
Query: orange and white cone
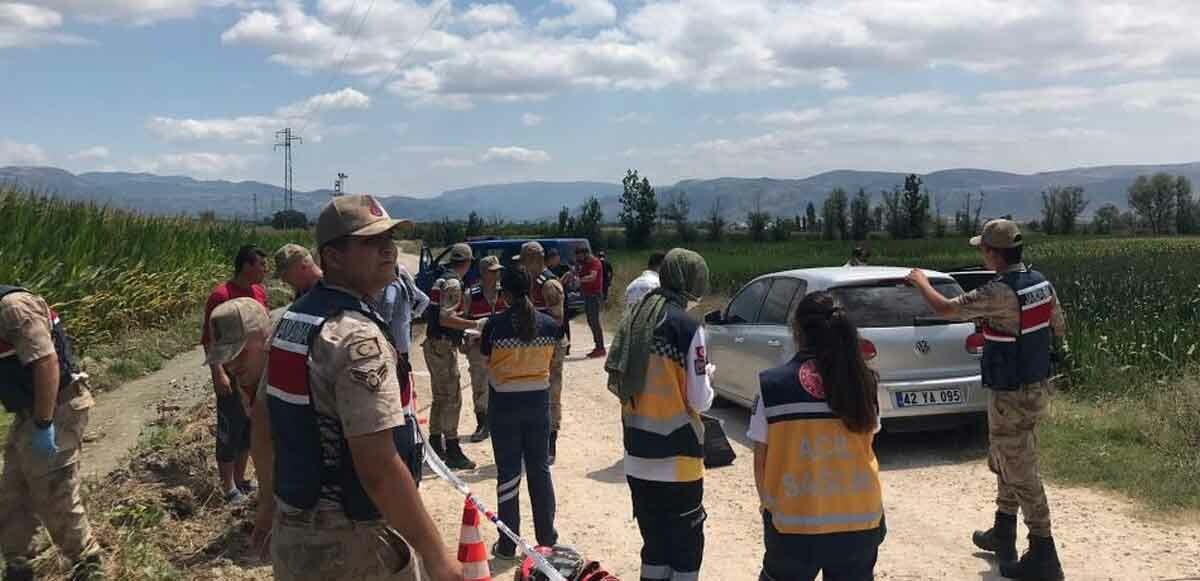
column 472, row 552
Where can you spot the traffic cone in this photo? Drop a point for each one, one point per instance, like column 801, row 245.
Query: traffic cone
column 472, row 552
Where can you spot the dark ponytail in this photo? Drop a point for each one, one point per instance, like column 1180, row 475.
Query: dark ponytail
column 822, row 327
column 516, row 284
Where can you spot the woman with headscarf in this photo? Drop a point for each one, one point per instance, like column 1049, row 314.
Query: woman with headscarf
column 659, row 370
column 519, row 344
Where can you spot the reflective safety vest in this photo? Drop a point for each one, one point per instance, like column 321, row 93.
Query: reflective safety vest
column 820, row 477
column 433, row 313
column 1011, row 361
column 664, row 438
column 16, row 380
column 478, row 306
column 537, row 293
column 312, row 456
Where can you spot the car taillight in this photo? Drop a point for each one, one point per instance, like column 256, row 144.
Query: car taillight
column 975, row 343
column 868, row 349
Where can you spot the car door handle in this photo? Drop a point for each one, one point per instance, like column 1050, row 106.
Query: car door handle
column 775, row 343
column 739, row 339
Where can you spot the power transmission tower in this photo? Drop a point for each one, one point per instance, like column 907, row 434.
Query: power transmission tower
column 339, row 184
column 284, row 139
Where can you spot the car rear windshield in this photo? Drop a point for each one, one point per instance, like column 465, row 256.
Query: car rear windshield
column 891, row 303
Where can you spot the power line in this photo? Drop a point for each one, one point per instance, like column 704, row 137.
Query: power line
column 309, row 115
column 412, row 46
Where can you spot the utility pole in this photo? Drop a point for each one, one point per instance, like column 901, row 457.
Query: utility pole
column 284, row 139
column 254, row 195
column 339, row 184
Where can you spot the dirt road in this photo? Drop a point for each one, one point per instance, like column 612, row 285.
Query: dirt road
column 935, row 492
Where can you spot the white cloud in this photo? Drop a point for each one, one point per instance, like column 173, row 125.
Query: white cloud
column 26, row 25
column 487, row 16
column 203, row 164
column 452, row 162
column 94, row 153
column 514, row 154
column 582, row 14
column 260, row 129
column 531, row 119
column 13, row 153
column 139, row 12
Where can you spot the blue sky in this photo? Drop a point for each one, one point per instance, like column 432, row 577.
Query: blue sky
column 582, row 89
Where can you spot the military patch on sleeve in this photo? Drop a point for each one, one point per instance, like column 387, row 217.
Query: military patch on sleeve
column 701, row 362
column 371, row 378
column 365, row 349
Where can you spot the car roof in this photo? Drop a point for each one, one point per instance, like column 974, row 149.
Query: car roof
column 847, row 275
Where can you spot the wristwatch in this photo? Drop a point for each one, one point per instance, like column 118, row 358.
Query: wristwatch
column 43, row 424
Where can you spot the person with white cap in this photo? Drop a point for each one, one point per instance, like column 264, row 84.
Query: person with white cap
column 1022, row 321
column 346, row 505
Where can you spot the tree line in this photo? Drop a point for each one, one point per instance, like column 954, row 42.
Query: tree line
column 1159, row 204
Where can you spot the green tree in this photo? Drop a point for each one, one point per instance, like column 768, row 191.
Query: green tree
column 781, row 229
column 893, row 209
column 915, row 207
column 475, row 224
column 639, row 209
column 1107, row 219
column 1185, row 206
column 860, row 215
column 810, row 218
column 1153, row 198
column 566, row 225
column 677, row 211
column 289, row 219
column 877, row 218
column 715, row 222
column 589, row 223
column 833, row 212
column 757, row 220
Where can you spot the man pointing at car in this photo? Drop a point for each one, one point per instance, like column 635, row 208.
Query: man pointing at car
column 1022, row 319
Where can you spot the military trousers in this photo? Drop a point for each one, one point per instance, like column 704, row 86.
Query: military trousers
column 441, row 357
column 323, row 545
column 1012, row 455
column 478, row 369
column 35, row 489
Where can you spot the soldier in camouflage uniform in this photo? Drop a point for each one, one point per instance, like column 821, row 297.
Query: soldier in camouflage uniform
column 41, row 385
column 482, row 302
column 443, row 337
column 548, row 296
column 1022, row 323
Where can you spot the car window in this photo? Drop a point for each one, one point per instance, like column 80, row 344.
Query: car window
column 891, row 303
column 779, row 301
column 744, row 308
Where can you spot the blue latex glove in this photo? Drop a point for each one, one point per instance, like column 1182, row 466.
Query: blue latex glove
column 43, row 441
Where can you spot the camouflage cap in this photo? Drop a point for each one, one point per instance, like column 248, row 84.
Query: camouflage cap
column 289, row 255
column 461, row 252
column 360, row 215
column 230, row 324
column 530, row 249
column 489, row 263
column 999, row 234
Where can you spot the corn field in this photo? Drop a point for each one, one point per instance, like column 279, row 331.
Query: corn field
column 1133, row 305
column 110, row 271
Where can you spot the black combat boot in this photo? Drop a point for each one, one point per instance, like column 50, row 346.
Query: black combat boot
column 1039, row 563
column 1001, row 539
column 455, row 458
column 18, row 570
column 553, row 447
column 435, row 442
column 481, row 428
column 89, row 569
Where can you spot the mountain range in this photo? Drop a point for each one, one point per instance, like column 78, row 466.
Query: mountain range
column 1005, row 193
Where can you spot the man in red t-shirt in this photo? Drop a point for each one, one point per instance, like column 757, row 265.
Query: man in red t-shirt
column 233, row 423
column 591, row 283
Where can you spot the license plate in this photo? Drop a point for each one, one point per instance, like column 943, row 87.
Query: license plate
column 906, row 399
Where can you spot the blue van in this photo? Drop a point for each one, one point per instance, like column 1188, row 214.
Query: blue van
column 506, row 249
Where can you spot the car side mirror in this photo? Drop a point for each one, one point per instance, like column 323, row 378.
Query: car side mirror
column 714, row 318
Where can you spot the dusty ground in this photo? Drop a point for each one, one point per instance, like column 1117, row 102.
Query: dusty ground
column 937, row 489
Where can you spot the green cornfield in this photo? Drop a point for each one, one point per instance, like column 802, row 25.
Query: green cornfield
column 1133, row 305
column 111, row 271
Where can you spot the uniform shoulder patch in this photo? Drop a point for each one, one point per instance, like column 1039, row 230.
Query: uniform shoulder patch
column 369, row 377
column 701, row 361
column 365, row 349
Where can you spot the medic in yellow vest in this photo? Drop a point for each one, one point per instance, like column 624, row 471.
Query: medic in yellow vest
column 816, row 473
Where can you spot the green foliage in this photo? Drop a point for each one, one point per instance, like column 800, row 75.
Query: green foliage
column 833, row 212
column 1154, row 200
column 810, row 218
column 639, row 209
column 108, row 271
column 588, row 225
column 860, row 215
column 716, row 222
column 285, row 220
column 781, row 229
column 677, row 211
column 475, row 225
column 915, row 204
column 1061, row 207
column 1106, row 220
column 1185, row 206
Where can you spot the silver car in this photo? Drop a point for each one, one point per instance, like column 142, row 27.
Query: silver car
column 928, row 367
